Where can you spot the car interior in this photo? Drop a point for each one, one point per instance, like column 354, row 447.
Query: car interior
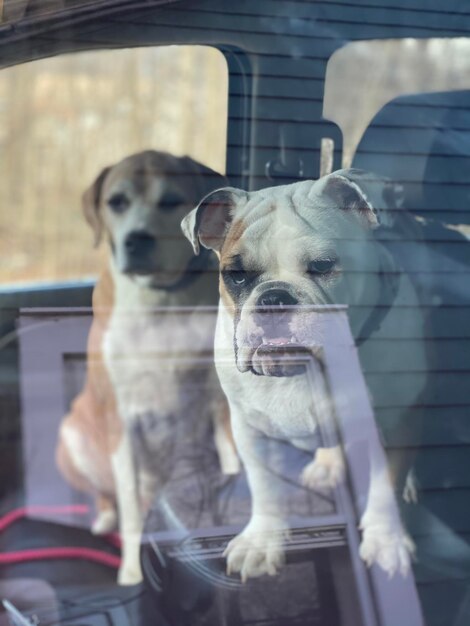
column 266, row 93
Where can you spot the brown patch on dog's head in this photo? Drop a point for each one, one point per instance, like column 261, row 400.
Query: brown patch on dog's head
column 91, row 205
column 226, row 298
column 230, row 248
column 231, row 242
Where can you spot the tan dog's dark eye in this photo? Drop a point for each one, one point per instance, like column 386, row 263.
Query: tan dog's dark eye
column 321, row 266
column 118, row 202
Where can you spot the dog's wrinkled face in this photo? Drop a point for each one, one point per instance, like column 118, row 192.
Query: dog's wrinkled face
column 281, row 251
column 139, row 203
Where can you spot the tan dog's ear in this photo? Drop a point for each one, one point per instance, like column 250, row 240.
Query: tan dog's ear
column 347, row 195
column 209, row 222
column 91, row 205
column 205, row 179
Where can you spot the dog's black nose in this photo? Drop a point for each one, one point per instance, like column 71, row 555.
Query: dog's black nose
column 271, row 314
column 276, row 297
column 139, row 243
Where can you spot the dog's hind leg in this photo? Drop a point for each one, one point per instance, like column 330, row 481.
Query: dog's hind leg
column 85, row 468
column 384, row 540
column 225, row 444
column 223, row 436
column 106, row 520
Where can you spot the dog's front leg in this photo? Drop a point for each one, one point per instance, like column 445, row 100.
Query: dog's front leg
column 125, row 473
column 326, row 471
column 259, row 548
column 384, row 540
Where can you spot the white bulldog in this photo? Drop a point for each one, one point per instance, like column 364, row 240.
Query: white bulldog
column 282, row 250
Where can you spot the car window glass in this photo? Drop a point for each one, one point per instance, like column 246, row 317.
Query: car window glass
column 66, row 118
column 394, row 68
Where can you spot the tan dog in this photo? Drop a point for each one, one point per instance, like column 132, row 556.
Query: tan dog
column 117, row 439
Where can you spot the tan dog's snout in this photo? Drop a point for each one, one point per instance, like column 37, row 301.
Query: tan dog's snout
column 140, row 247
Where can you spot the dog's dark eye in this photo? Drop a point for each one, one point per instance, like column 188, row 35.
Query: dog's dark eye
column 239, row 278
column 236, row 277
column 170, row 201
column 321, row 266
column 119, row 202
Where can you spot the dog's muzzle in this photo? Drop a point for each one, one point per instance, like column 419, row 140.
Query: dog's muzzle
column 278, row 352
column 139, row 247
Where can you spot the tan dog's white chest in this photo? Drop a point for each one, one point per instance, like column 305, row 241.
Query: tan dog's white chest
column 141, row 353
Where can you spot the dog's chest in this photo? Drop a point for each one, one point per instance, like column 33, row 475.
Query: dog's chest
column 285, row 425
column 279, row 408
column 154, row 360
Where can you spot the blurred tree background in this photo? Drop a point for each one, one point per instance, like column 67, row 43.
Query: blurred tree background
column 65, row 118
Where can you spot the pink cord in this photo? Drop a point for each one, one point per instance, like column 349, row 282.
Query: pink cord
column 23, row 556
column 40, row 554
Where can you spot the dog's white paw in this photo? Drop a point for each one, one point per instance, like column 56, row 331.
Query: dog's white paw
column 388, row 545
column 105, row 522
column 130, row 572
column 258, row 550
column 326, row 471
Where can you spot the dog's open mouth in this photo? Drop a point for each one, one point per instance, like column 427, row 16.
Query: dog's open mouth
column 279, row 356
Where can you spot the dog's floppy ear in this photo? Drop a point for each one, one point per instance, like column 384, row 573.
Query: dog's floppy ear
column 209, row 222
column 205, row 180
column 91, row 205
column 348, row 195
